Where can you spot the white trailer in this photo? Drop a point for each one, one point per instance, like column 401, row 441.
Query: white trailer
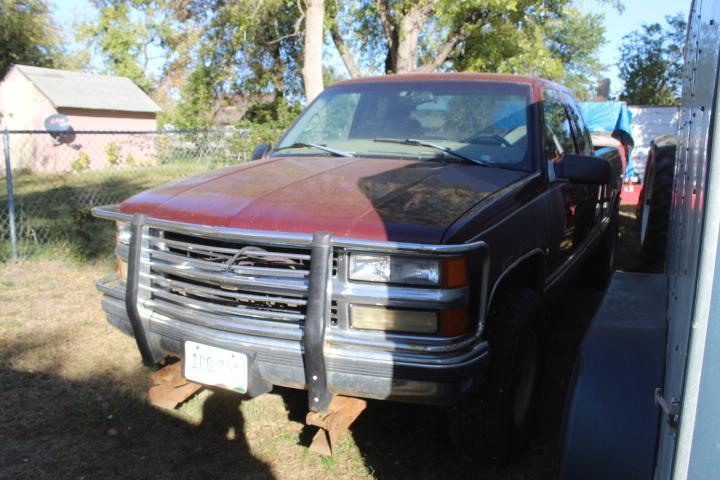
column 649, row 122
column 645, row 399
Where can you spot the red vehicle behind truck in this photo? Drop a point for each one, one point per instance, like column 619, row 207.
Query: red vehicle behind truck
column 395, row 244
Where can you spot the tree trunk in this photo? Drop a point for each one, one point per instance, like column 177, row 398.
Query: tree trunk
column 403, row 39
column 410, row 26
column 313, row 49
column 344, row 51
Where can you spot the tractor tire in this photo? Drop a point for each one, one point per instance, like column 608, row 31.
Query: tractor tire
column 495, row 422
column 654, row 208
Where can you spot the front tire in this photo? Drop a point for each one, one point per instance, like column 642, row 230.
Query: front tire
column 495, row 423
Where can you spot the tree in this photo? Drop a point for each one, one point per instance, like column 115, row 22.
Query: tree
column 574, row 39
column 27, row 35
column 123, row 34
column 264, row 56
column 651, row 63
column 248, row 51
column 550, row 38
column 400, row 31
column 312, row 70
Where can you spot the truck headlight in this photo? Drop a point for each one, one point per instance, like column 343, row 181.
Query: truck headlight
column 433, row 272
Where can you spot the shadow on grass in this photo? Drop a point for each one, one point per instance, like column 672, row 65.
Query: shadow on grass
column 58, row 428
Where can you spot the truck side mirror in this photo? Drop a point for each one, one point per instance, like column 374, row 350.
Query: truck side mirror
column 260, row 151
column 583, row 169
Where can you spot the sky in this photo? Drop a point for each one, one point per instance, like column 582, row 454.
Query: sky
column 617, row 25
column 636, row 13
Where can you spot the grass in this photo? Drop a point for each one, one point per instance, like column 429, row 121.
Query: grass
column 27, row 183
column 76, row 390
column 53, row 210
column 74, row 397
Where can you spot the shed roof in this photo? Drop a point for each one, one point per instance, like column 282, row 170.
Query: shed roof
column 89, row 91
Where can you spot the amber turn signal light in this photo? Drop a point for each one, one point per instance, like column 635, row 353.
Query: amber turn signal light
column 455, row 272
column 455, row 321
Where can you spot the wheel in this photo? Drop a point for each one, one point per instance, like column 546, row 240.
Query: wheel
column 654, row 211
column 602, row 264
column 495, row 423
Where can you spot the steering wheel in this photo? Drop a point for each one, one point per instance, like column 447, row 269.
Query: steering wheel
column 488, row 139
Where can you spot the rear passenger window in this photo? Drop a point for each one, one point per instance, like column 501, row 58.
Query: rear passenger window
column 558, row 133
column 582, row 134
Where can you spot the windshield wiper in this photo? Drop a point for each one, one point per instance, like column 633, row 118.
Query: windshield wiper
column 423, row 143
column 324, row 148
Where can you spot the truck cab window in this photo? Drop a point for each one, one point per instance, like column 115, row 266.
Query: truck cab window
column 333, row 121
column 582, row 133
column 558, row 132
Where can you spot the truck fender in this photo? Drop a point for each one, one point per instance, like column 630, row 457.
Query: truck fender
column 527, row 271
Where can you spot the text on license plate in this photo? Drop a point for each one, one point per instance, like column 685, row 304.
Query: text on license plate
column 216, row 366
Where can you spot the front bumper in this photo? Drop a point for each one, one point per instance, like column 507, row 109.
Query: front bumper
column 162, row 308
column 351, row 372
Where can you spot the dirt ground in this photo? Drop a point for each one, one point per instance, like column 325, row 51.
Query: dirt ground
column 73, row 401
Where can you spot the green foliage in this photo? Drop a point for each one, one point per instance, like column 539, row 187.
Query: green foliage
column 198, row 95
column 27, row 35
column 123, row 38
column 130, row 160
column 548, row 38
column 651, row 63
column 573, row 39
column 225, row 54
column 81, row 163
column 554, row 40
column 112, row 151
column 247, row 48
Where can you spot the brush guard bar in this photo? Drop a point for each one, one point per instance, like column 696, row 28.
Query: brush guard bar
column 320, row 287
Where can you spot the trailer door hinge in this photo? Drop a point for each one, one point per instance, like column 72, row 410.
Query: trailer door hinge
column 671, row 409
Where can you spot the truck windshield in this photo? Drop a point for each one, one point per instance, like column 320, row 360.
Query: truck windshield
column 486, row 122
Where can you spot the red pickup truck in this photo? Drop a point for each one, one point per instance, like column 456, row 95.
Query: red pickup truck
column 396, row 243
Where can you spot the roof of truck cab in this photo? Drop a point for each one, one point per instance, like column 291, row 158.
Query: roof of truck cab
column 465, row 76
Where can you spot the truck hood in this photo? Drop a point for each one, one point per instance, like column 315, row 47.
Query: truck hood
column 374, row 199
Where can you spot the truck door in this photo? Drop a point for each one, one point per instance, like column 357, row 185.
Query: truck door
column 570, row 199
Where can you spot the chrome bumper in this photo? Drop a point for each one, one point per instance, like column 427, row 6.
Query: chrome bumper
column 351, row 372
column 409, row 368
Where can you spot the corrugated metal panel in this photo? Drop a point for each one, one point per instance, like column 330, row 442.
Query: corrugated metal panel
column 94, row 92
column 692, row 376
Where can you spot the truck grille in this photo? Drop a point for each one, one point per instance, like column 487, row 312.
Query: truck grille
column 225, row 285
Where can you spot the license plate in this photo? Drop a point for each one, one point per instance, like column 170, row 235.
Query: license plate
column 216, row 366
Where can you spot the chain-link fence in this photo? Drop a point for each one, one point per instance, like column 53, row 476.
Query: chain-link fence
column 56, row 179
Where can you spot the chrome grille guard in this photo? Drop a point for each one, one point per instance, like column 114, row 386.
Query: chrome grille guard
column 317, row 289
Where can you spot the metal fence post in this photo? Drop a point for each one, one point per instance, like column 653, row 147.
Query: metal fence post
column 10, row 195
